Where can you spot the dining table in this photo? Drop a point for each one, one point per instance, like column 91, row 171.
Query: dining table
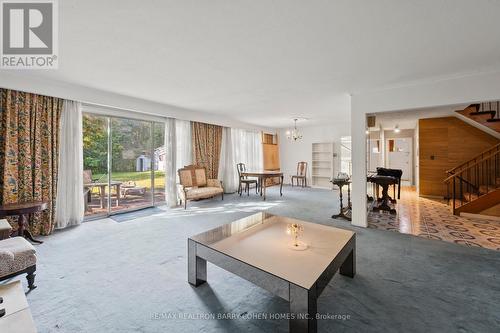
column 262, row 175
column 102, row 191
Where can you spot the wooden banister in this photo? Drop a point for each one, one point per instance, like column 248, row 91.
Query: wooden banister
column 481, row 155
column 476, row 178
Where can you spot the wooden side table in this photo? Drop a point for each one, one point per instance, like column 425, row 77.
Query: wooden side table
column 344, row 212
column 23, row 210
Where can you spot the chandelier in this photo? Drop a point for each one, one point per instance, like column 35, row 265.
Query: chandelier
column 294, row 133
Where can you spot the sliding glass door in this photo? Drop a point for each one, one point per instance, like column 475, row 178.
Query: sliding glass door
column 131, row 164
column 126, row 161
column 159, row 159
column 95, row 164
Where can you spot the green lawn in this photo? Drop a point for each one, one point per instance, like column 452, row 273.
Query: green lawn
column 140, row 178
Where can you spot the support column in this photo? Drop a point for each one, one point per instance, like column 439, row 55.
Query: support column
column 358, row 155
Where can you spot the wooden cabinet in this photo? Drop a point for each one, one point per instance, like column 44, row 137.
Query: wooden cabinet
column 271, row 153
column 271, row 157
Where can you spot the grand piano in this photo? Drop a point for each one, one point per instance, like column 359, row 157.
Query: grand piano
column 385, row 178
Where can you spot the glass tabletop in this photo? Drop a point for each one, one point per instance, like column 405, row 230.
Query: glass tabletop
column 262, row 240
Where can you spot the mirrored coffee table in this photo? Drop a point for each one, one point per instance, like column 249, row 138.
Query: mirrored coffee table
column 257, row 248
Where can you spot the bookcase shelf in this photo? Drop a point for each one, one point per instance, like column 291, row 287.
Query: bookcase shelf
column 322, row 164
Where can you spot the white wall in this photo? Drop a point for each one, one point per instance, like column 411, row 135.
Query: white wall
column 301, row 150
column 375, row 159
column 466, row 89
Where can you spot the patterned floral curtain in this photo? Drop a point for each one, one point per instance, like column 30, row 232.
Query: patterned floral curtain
column 207, row 140
column 29, row 145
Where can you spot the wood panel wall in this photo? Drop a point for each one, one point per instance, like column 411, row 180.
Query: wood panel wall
column 443, row 144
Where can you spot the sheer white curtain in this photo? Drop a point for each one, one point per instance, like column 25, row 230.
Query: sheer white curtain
column 70, row 198
column 170, row 162
column 248, row 148
column 184, row 146
column 239, row 146
column 227, row 166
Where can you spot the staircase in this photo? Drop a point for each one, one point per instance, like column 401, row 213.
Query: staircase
column 474, row 185
column 486, row 114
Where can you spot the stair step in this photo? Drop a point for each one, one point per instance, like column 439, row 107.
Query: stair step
column 470, row 196
column 494, row 120
column 491, row 113
column 475, row 106
column 483, row 189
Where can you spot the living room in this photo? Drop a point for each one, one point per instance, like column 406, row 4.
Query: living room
column 186, row 166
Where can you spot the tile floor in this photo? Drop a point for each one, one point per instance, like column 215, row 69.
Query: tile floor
column 431, row 218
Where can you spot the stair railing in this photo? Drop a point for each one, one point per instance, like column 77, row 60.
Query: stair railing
column 479, row 157
column 491, row 106
column 474, row 180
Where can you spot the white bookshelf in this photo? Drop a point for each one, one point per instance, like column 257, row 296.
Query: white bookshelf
column 322, row 164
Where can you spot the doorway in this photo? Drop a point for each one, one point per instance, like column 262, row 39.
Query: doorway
column 400, row 156
column 123, row 163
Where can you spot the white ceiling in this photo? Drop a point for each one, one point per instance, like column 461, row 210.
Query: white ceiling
column 265, row 62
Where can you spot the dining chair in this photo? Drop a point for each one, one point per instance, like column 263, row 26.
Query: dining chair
column 245, row 180
column 301, row 174
column 87, row 182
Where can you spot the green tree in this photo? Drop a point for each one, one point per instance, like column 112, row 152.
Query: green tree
column 130, row 138
column 95, row 144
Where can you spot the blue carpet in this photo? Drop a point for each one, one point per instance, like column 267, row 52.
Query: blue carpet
column 131, row 277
